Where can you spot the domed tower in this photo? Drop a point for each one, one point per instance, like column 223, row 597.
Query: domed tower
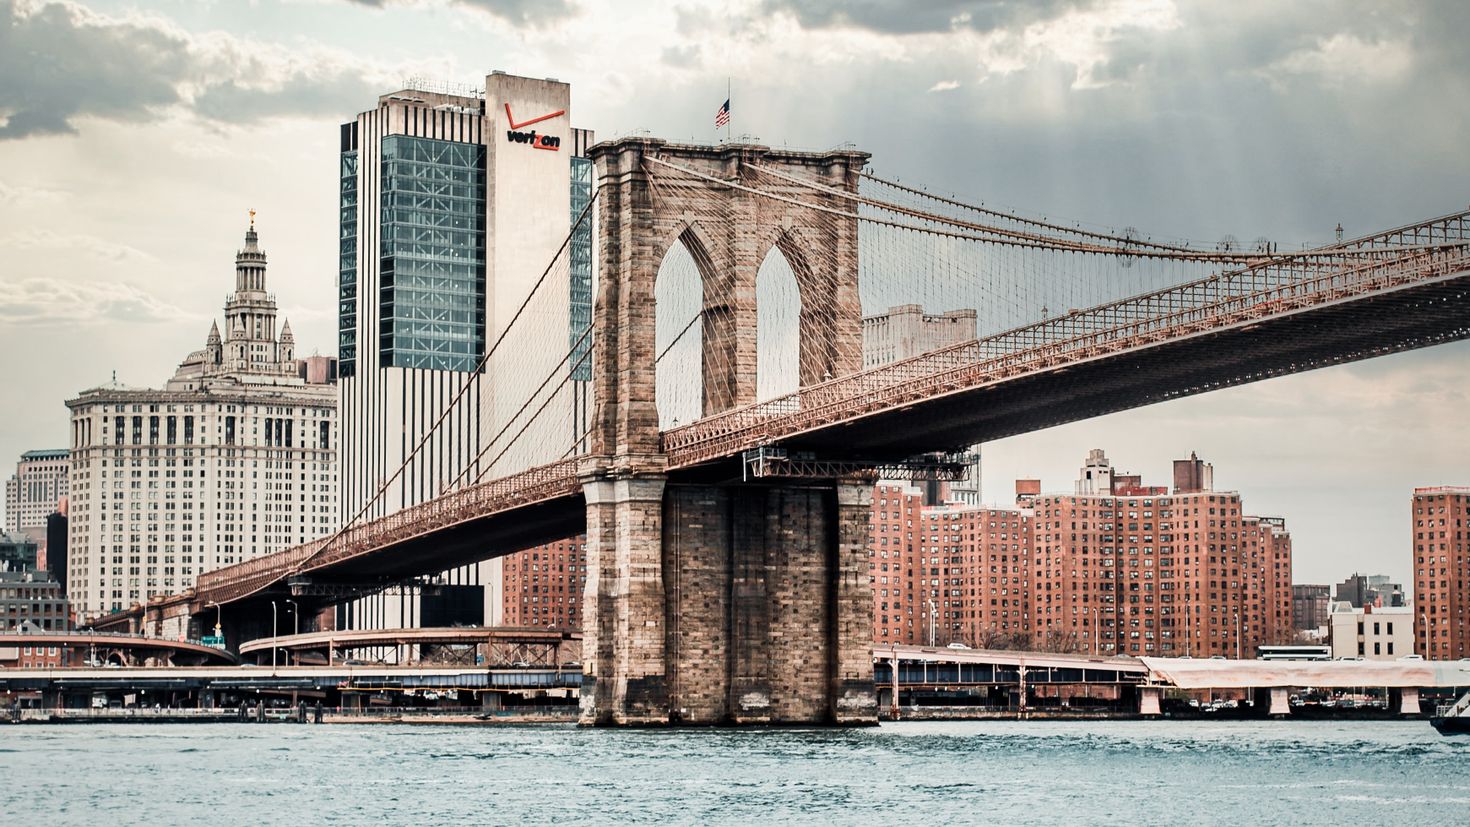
column 250, row 263
column 250, row 313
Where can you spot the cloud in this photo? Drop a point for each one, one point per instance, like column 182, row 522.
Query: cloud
column 42, row 301
column 62, row 61
column 1346, row 59
column 98, row 248
column 945, row 86
column 929, row 16
column 518, row 12
column 25, row 196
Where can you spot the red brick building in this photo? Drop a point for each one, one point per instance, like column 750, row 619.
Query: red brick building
column 1117, row 567
column 1442, row 572
column 893, row 561
column 543, row 586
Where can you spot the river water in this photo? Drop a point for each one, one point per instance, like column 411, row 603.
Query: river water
column 996, row 772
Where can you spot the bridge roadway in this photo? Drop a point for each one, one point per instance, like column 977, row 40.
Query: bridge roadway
column 506, row 644
column 1178, row 673
column 1208, row 673
column 1197, row 337
column 358, row 677
column 918, row 666
column 107, row 643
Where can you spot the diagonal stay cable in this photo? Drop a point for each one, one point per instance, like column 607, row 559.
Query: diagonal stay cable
column 464, row 388
column 511, row 421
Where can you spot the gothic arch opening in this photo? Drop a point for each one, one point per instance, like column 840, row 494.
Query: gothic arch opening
column 678, row 297
column 778, row 312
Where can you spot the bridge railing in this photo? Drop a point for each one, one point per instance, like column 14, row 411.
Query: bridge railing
column 473, row 502
column 532, row 485
column 1212, row 303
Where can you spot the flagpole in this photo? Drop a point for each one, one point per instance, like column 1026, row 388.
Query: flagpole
column 727, row 113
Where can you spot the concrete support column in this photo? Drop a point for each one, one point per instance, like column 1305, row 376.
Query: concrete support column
column 624, row 663
column 853, row 697
column 1148, row 700
column 1408, row 701
column 1280, row 701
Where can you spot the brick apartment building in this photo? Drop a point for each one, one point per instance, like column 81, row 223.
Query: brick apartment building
column 542, row 586
column 1116, row 567
column 1442, row 572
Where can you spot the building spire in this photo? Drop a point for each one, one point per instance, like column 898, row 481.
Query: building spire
column 250, row 262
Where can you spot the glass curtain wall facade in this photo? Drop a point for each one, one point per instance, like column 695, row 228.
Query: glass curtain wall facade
column 432, row 254
column 581, row 269
column 347, row 269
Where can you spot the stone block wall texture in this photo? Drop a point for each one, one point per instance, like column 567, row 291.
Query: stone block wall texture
column 712, row 604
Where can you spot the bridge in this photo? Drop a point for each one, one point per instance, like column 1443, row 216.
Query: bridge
column 120, row 649
column 1019, row 675
column 713, row 574
column 493, row 646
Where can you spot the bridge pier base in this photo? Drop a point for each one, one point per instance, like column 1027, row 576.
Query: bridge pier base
column 1408, row 701
column 727, row 604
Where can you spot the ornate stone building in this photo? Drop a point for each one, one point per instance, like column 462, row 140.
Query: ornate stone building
column 235, row 457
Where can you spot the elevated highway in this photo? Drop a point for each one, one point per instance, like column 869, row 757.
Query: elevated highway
column 122, row 649
column 497, row 645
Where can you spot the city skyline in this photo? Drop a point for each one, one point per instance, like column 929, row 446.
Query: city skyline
column 98, row 265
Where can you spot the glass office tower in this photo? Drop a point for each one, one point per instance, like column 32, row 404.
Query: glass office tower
column 445, row 221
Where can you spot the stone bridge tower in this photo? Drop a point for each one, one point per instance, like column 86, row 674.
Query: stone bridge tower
column 721, row 602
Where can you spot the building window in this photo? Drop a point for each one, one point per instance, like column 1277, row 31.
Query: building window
column 229, row 430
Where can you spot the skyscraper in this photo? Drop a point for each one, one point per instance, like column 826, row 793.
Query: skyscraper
column 235, row 457
column 39, row 483
column 453, row 203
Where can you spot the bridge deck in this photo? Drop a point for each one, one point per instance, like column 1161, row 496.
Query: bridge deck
column 1214, row 333
column 1202, row 673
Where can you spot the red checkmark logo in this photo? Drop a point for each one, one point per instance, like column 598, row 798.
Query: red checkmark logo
column 514, row 125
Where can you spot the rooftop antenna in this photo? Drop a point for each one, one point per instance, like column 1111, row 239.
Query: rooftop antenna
column 1339, row 232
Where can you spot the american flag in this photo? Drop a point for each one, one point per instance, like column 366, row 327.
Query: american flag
column 722, row 117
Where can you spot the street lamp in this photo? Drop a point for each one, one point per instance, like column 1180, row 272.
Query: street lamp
column 219, row 617
column 931, row 622
column 273, row 638
column 295, row 621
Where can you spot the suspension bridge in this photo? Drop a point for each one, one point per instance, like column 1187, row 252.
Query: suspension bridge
column 732, row 282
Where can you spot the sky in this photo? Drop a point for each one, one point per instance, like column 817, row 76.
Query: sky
column 136, row 135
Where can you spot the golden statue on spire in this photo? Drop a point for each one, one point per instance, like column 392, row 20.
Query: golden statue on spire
column 252, row 219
